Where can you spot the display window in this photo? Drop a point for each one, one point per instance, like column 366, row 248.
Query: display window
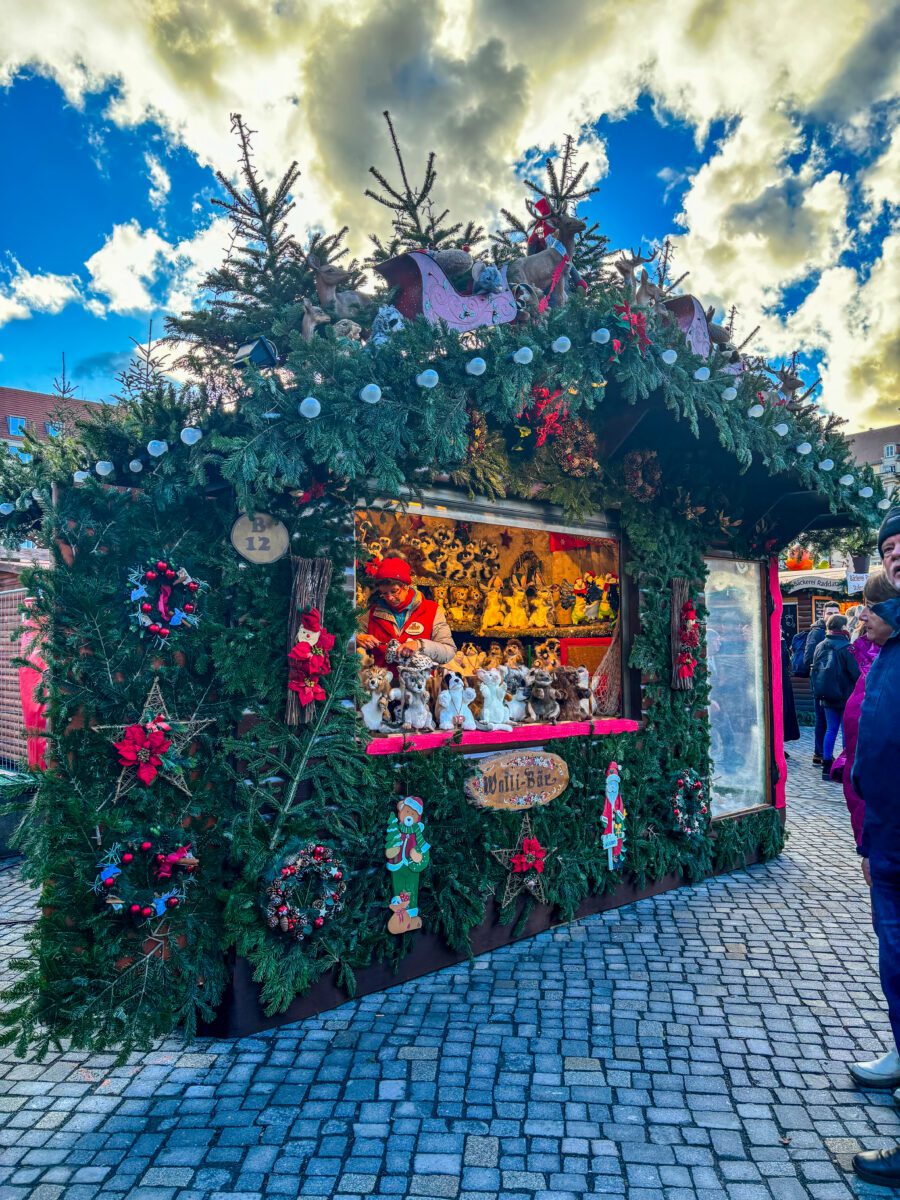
column 737, row 653
column 486, row 627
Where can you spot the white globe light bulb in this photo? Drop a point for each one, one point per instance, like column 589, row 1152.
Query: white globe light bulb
column 428, row 379
column 370, row 394
column 6, row 508
column 755, row 411
column 476, row 366
column 104, row 467
column 846, row 480
column 523, row 356
column 884, row 505
column 866, row 492
column 669, row 357
column 804, row 448
column 80, row 476
column 136, row 466
column 782, row 429
column 729, row 393
column 561, row 345
column 191, row 435
column 701, row 374
column 309, row 407
column 827, row 464
column 157, row 448
column 600, row 336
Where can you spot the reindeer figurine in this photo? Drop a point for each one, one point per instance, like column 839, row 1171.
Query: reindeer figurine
column 328, row 277
column 546, row 269
column 312, row 316
column 627, row 265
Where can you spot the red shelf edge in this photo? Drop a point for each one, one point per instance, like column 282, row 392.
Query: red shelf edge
column 501, row 738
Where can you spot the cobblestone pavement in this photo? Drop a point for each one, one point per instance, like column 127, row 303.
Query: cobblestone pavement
column 689, row 1047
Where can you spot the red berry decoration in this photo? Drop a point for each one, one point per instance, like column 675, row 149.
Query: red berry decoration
column 172, row 902
column 135, row 909
column 127, row 857
column 319, row 922
column 689, row 808
column 145, row 846
column 146, row 911
column 164, row 601
column 109, row 882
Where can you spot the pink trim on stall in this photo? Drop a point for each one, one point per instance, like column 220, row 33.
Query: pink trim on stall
column 775, row 689
column 523, row 733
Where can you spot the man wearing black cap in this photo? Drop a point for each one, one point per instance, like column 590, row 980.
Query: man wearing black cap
column 876, row 777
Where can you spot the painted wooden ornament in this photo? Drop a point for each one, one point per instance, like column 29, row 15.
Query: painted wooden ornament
column 260, row 538
column 614, row 814
column 407, row 851
column 518, row 779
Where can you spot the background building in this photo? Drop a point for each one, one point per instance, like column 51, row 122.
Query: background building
column 880, row 448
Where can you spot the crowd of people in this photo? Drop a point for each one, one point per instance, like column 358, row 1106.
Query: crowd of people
column 853, row 663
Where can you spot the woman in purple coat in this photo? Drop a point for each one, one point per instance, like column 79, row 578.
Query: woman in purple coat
column 865, row 651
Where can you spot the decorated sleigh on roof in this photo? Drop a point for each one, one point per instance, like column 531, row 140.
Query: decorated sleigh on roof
column 423, row 289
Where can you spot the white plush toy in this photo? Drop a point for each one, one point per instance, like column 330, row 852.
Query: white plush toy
column 495, row 712
column 453, row 703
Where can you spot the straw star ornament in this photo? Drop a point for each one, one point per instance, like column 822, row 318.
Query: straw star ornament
column 525, row 862
column 153, row 747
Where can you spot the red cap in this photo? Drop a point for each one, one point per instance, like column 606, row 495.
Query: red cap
column 392, row 570
column 312, row 620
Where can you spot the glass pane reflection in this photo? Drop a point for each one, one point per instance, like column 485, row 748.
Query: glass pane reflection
column 735, row 644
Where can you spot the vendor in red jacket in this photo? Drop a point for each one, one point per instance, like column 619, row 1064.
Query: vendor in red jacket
column 399, row 612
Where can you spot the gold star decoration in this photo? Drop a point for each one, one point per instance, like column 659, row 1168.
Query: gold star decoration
column 180, row 734
column 525, row 862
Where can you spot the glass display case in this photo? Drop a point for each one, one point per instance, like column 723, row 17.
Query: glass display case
column 737, row 654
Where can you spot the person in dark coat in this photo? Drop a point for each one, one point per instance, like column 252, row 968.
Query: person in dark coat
column 813, row 638
column 876, row 778
column 788, row 707
column 833, row 677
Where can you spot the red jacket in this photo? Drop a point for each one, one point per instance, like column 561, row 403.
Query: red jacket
column 419, row 624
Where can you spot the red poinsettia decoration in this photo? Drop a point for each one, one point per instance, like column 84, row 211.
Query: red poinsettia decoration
column 530, row 858
column 308, row 659
column 142, row 747
column 545, row 415
column 636, row 323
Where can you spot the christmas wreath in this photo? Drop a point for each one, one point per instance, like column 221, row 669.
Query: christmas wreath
column 642, row 475
column 165, row 599
column 305, row 891
column 308, row 659
column 144, row 879
column 690, row 810
column 575, row 448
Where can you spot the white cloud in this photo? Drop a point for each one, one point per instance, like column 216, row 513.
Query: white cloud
column 126, row 266
column 485, row 83
column 160, row 183
column 23, row 294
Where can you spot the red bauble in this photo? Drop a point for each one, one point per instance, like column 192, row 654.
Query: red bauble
column 150, row 575
column 161, row 566
column 135, row 908
column 292, row 870
column 335, row 896
column 172, row 902
column 192, row 587
column 338, row 875
column 188, row 608
column 170, row 574
column 154, row 628
column 163, row 633
column 320, row 850
column 146, row 911
column 108, row 882
column 145, row 846
column 282, row 908
column 319, row 922
column 146, row 608
column 127, row 857
column 284, row 871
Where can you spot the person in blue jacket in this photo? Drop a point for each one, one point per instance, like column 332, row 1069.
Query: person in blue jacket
column 876, row 777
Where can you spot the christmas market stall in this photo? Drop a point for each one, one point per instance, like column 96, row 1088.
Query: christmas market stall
column 441, row 608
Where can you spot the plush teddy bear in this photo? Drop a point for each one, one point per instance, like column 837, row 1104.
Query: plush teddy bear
column 565, row 684
column 543, row 705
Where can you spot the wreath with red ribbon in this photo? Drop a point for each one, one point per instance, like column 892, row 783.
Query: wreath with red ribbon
column 144, row 878
column 165, row 598
column 305, row 891
column 690, row 810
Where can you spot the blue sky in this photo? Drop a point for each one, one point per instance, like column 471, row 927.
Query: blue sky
column 774, row 167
